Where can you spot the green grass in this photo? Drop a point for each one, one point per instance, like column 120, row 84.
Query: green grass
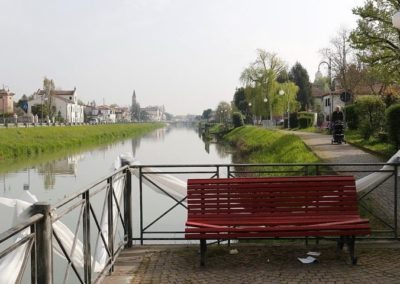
column 216, row 128
column 268, row 146
column 372, row 144
column 25, row 143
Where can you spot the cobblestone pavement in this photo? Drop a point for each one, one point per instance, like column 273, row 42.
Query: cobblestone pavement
column 257, row 264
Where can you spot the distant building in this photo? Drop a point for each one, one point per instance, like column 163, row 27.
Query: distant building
column 6, row 102
column 64, row 103
column 122, row 114
column 106, row 114
column 134, row 98
column 150, row 113
column 135, row 108
column 154, row 113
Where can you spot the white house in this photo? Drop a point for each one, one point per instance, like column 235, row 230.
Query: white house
column 106, row 114
column 122, row 114
column 64, row 103
column 154, row 113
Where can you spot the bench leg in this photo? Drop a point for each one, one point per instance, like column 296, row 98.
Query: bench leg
column 340, row 244
column 350, row 244
column 203, row 250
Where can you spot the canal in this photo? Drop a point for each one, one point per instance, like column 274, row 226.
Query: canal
column 53, row 180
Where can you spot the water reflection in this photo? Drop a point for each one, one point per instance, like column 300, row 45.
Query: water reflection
column 62, row 167
column 158, row 134
column 223, row 150
column 135, row 144
column 207, row 146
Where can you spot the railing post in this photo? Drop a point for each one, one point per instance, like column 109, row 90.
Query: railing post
column 44, row 247
column 128, row 207
column 396, row 172
column 217, row 173
column 110, row 221
column 141, row 204
column 228, row 171
column 86, row 238
column 33, row 257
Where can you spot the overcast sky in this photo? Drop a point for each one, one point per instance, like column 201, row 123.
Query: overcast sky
column 184, row 54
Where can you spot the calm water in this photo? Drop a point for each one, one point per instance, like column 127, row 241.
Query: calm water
column 53, row 180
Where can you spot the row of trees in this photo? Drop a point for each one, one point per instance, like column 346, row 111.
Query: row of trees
column 269, row 90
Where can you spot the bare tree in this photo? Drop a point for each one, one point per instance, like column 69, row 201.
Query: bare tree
column 341, row 56
column 347, row 70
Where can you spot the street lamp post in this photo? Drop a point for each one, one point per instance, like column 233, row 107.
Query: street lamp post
column 281, row 93
column 266, row 101
column 250, row 112
column 41, row 109
column 225, row 116
column 318, row 74
column 4, row 110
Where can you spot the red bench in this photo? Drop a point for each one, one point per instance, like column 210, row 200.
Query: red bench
column 251, row 208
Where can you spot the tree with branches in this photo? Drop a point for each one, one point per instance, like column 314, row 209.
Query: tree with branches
column 377, row 41
column 261, row 75
column 298, row 74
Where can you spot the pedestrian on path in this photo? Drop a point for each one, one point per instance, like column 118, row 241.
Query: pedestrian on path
column 337, row 115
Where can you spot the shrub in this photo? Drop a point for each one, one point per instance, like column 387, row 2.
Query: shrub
column 351, row 116
column 366, row 129
column 294, row 123
column 305, row 119
column 237, row 119
column 371, row 114
column 304, row 122
column 392, row 124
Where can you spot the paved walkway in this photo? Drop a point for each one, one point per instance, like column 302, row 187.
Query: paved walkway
column 321, row 145
column 257, row 263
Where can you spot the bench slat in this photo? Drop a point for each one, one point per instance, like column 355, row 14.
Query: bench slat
column 277, row 229
column 257, row 221
column 271, row 179
column 300, row 201
column 266, row 187
column 260, row 235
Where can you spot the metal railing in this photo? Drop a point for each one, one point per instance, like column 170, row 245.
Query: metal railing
column 86, row 205
column 104, row 218
column 384, row 215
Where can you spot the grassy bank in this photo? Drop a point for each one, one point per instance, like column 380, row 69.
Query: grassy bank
column 267, row 146
column 372, row 144
column 25, row 143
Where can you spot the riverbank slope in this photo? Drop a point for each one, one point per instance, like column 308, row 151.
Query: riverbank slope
column 260, row 145
column 25, row 143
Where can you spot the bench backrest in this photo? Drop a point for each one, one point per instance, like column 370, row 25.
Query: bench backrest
column 272, row 196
